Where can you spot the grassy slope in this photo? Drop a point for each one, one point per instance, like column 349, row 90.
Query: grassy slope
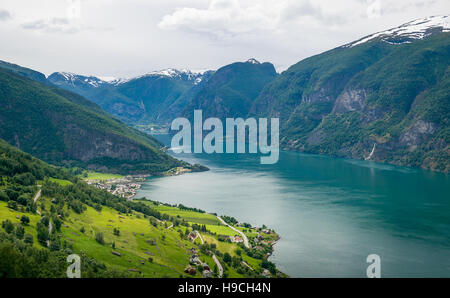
column 170, row 256
column 91, row 175
column 139, row 240
column 6, row 213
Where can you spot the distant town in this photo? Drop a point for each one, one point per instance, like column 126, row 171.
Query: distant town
column 123, row 187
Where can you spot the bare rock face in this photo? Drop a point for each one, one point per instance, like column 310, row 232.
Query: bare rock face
column 321, row 95
column 316, row 137
column 417, row 133
column 121, row 109
column 350, row 100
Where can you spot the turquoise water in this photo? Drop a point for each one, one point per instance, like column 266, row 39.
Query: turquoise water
column 331, row 213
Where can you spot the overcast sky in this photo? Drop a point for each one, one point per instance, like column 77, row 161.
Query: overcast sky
column 132, row 37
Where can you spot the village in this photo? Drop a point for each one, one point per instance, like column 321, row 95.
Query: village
column 262, row 242
column 123, row 187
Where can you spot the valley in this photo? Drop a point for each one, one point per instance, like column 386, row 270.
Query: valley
column 87, row 166
column 388, row 90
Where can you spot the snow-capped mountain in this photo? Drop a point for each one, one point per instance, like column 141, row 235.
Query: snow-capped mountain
column 384, row 97
column 148, row 96
column 253, row 61
column 75, row 79
column 184, row 74
column 408, row 32
column 64, row 78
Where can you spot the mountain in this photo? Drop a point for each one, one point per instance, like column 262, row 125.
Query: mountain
column 64, row 128
column 26, row 72
column 231, row 89
column 385, row 97
column 154, row 97
column 161, row 96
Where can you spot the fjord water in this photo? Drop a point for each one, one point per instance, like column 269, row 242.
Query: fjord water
column 331, row 213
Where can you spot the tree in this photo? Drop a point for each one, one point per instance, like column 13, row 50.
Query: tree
column 269, row 266
column 3, row 196
column 28, row 239
column 153, row 222
column 42, row 234
column 8, row 226
column 55, row 244
column 25, row 220
column 227, row 258
column 20, row 232
column 45, row 220
column 57, row 224
column 116, row 232
column 12, row 205
column 99, row 238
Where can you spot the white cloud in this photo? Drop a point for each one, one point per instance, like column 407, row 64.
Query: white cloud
column 374, row 9
column 52, row 25
column 69, row 23
column 196, row 33
column 4, row 15
column 73, row 10
column 227, row 18
column 223, row 18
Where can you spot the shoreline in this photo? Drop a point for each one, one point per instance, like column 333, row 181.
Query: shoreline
column 128, row 186
column 254, row 243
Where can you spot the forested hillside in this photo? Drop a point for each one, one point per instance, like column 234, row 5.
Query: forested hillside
column 63, row 128
column 47, row 214
column 385, row 98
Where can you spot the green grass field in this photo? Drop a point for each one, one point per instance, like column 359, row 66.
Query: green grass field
column 169, row 254
column 6, row 213
column 91, row 175
column 152, row 251
column 60, row 181
column 189, row 216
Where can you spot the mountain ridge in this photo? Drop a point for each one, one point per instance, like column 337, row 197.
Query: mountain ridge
column 377, row 100
column 66, row 129
column 231, row 89
column 140, row 99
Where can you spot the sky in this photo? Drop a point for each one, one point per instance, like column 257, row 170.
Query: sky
column 115, row 38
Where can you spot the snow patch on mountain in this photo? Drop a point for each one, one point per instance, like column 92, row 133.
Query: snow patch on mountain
column 75, row 78
column 96, row 81
column 406, row 33
column 253, row 61
column 108, row 79
column 191, row 75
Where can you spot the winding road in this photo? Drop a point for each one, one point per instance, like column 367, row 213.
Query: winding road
column 50, row 226
column 199, row 236
column 37, row 196
column 219, row 266
column 236, row 230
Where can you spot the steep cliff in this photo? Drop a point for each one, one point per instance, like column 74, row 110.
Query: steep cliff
column 385, row 98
